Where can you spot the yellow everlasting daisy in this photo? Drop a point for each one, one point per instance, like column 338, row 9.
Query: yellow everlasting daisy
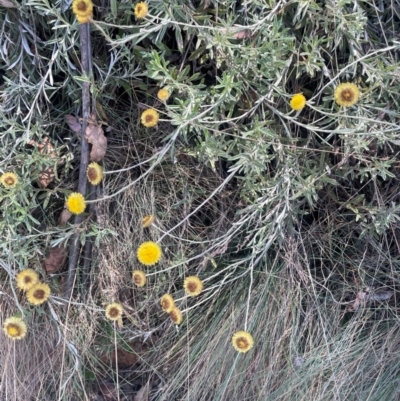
column 15, row 328
column 163, row 95
column 26, row 279
column 149, row 253
column 150, row 118
column 38, row 293
column 242, row 341
column 9, row 180
column 167, row 303
column 147, row 221
column 94, row 173
column 346, row 94
column 76, row 203
column 139, row 278
column 141, row 10
column 176, row 315
column 114, row 311
column 298, row 102
column 83, row 10
column 193, row 286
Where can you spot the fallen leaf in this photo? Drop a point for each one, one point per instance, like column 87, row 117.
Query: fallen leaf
column 73, row 123
column 95, row 135
column 100, row 110
column 125, row 358
column 243, row 34
column 46, row 176
column 7, row 3
column 55, row 260
column 64, row 217
column 143, row 393
column 356, row 303
column 236, row 32
column 206, row 4
column 298, row 361
column 109, row 391
column 379, row 296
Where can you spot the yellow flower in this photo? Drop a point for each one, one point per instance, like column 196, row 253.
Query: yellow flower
column 167, row 303
column 15, row 328
column 163, row 95
column 94, row 173
column 346, row 94
column 139, row 278
column 83, row 10
column 147, row 221
column 149, row 253
column 141, row 10
column 26, row 279
column 9, row 180
column 298, row 102
column 38, row 293
column 114, row 311
column 150, row 118
column 193, row 286
column 176, row 315
column 76, row 203
column 242, row 341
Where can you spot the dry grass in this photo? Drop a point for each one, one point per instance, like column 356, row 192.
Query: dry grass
column 291, row 220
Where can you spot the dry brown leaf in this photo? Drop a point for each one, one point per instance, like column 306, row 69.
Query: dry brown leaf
column 100, row 110
column 360, row 297
column 109, row 391
column 124, row 357
column 243, row 34
column 7, row 3
column 206, row 4
column 55, row 260
column 236, row 32
column 46, row 176
column 95, row 135
column 143, row 393
column 64, row 217
column 73, row 123
column 379, row 296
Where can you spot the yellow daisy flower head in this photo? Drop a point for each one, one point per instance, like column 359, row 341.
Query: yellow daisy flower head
column 149, row 253
column 147, row 221
column 163, row 95
column 298, row 102
column 114, row 311
column 83, row 10
column 15, row 328
column 150, row 118
column 94, row 173
column 141, row 10
column 26, row 279
column 193, row 286
column 139, row 278
column 76, row 203
column 176, row 315
column 346, row 94
column 38, row 293
column 167, row 303
column 9, row 180
column 242, row 341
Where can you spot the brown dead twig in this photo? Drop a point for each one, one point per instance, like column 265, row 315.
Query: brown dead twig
column 75, row 244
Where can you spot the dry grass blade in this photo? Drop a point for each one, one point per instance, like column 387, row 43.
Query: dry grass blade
column 143, row 394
